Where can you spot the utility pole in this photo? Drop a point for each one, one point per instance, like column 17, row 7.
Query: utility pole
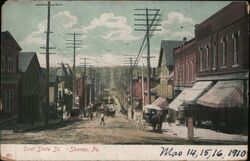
column 132, row 90
column 90, row 84
column 47, row 61
column 148, row 80
column 74, row 43
column 142, row 86
column 85, row 81
column 149, row 23
column 131, row 81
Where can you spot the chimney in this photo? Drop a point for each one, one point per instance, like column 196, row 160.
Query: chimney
column 184, row 40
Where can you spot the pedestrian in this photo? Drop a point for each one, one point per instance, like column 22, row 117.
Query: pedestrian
column 91, row 115
column 102, row 119
column 169, row 120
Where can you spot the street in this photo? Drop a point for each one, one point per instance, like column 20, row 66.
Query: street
column 117, row 130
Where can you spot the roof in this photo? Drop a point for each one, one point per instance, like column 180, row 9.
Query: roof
column 24, row 60
column 167, row 50
column 186, row 44
column 62, row 71
column 53, row 78
column 233, row 6
column 68, row 69
column 7, row 35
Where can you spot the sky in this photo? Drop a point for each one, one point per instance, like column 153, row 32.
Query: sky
column 107, row 27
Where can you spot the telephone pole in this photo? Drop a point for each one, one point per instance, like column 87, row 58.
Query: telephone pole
column 131, row 80
column 150, row 22
column 74, row 42
column 47, row 61
column 85, row 81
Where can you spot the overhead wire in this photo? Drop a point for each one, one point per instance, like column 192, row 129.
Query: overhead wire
column 141, row 48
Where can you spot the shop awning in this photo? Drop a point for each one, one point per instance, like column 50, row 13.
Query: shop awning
column 177, row 103
column 67, row 91
column 152, row 91
column 196, row 91
column 151, row 106
column 160, row 102
column 223, row 94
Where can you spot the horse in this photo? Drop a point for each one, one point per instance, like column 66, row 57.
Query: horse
column 157, row 120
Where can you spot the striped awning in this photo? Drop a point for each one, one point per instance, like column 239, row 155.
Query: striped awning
column 223, row 94
column 196, row 91
column 160, row 102
column 177, row 103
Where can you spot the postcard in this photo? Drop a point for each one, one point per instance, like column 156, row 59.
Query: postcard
column 124, row 80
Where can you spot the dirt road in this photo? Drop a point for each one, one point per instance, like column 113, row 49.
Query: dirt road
column 117, row 130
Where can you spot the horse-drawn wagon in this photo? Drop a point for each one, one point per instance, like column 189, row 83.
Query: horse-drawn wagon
column 154, row 116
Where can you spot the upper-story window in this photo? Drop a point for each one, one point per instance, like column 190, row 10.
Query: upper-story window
column 188, row 74
column 2, row 62
column 179, row 73
column 224, row 51
column 192, row 71
column 183, row 73
column 214, row 56
column 9, row 64
column 201, row 59
column 9, row 100
column 207, row 54
column 235, row 37
column 176, row 74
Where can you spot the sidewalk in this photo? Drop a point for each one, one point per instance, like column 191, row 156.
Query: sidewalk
column 201, row 136
column 40, row 124
column 204, row 136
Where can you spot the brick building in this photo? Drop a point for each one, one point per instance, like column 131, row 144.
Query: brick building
column 185, row 65
column 9, row 75
column 184, row 78
column 223, row 58
column 80, row 91
column 137, row 89
column 222, row 42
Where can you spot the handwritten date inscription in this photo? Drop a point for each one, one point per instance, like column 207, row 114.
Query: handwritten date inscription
column 205, row 153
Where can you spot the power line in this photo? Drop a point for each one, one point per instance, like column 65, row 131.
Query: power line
column 74, row 43
column 47, row 60
column 61, row 51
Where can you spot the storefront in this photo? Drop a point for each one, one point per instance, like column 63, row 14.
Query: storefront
column 183, row 105
column 223, row 105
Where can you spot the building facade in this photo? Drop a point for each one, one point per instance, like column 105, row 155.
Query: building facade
column 138, row 86
column 185, row 65
column 53, row 93
column 183, row 78
column 29, row 90
column 223, row 57
column 80, row 91
column 9, row 75
column 222, row 46
column 65, row 86
column 166, row 67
